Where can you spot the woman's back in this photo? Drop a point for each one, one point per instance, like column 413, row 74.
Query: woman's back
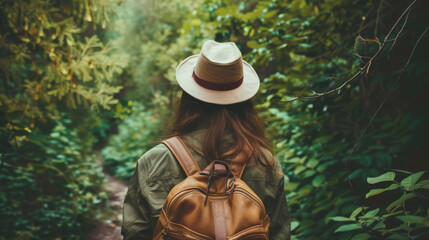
column 217, row 121
column 158, row 172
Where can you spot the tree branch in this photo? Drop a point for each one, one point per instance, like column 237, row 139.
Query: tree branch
column 367, row 66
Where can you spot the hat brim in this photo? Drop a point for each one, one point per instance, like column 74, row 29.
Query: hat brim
column 245, row 91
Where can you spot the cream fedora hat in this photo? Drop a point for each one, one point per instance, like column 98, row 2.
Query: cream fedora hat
column 218, row 75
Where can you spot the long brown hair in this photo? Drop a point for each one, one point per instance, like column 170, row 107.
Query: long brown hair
column 239, row 119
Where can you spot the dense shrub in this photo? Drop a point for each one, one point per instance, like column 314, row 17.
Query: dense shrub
column 400, row 219
column 56, row 78
column 50, row 188
column 138, row 132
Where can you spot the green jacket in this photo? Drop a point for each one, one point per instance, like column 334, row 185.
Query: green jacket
column 157, row 172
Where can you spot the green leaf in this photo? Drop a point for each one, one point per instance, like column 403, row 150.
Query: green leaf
column 379, row 225
column 312, row 163
column 349, row 227
column 412, row 219
column 386, row 177
column 356, row 173
column 308, row 173
column 222, row 11
column 361, row 236
column 365, row 161
column 409, row 182
column 356, row 212
column 299, row 169
column 377, row 191
column 318, row 181
column 371, row 214
column 398, row 236
column 271, row 13
column 293, row 225
column 254, row 44
column 305, row 45
column 400, row 200
column 422, row 184
column 341, row 219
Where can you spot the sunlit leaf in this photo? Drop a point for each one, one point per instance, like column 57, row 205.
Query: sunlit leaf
column 422, row 184
column 412, row 219
column 349, row 227
column 356, row 212
column 305, row 45
column 341, row 219
column 271, row 13
column 409, row 181
column 294, row 225
column 402, row 199
column 254, row 44
column 377, row 191
column 386, row 177
column 371, row 213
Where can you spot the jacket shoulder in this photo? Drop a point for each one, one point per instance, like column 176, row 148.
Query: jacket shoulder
column 153, row 154
column 159, row 163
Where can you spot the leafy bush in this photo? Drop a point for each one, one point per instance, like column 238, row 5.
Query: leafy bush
column 137, row 134
column 54, row 67
column 404, row 218
column 49, row 188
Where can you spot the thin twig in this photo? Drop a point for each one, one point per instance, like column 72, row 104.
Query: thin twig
column 316, row 95
column 400, row 31
column 394, row 39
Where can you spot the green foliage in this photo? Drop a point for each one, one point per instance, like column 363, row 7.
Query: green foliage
column 151, row 40
column 137, row 134
column 55, row 72
column 403, row 218
column 49, row 188
column 57, row 63
column 387, row 177
column 45, row 60
column 302, row 48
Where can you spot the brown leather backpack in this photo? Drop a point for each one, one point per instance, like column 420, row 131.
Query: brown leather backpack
column 211, row 204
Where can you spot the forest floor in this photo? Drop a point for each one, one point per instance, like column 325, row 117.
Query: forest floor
column 109, row 228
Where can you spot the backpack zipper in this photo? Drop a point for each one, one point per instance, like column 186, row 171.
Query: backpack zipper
column 178, row 197
column 259, row 202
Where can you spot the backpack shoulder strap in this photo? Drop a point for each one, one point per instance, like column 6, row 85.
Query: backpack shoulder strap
column 182, row 154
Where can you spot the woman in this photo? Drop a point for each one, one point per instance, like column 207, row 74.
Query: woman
column 217, row 121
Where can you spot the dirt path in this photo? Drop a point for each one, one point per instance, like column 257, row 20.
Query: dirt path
column 110, row 228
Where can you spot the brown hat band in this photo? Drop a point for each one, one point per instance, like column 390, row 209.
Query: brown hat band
column 217, row 86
